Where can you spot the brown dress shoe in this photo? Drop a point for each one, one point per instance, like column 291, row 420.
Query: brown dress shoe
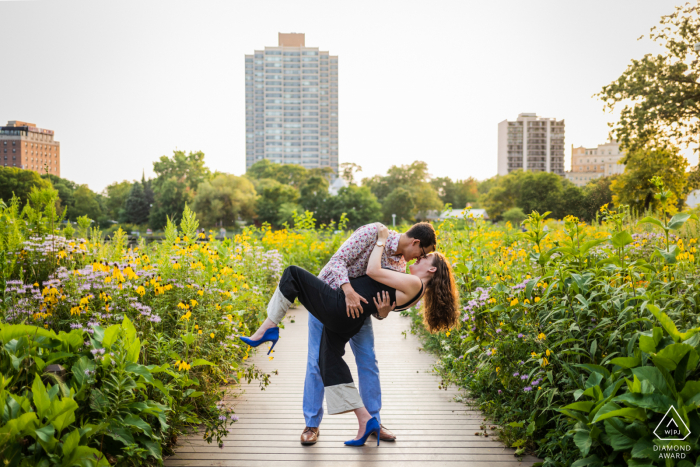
column 309, row 436
column 386, row 435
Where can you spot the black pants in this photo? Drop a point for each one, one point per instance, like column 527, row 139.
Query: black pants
column 328, row 306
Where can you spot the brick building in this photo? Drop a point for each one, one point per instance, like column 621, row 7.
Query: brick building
column 25, row 146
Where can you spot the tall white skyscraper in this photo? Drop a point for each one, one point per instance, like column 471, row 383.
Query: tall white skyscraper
column 531, row 143
column 291, row 105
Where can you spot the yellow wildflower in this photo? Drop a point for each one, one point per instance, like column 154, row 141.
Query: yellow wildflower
column 514, row 302
column 537, row 299
column 548, row 352
column 541, row 336
column 212, row 335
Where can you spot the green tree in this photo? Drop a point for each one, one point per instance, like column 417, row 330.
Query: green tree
column 358, row 203
column 136, row 209
column 515, row 216
column 65, row 189
column 314, row 193
column 174, row 186
column 425, row 201
column 597, row 193
column 542, row 192
column 502, row 195
column 400, row 202
column 660, row 92
column 86, row 204
column 406, row 176
column 634, row 188
column 287, row 174
column 115, row 199
column 223, row 199
column 348, row 170
column 20, row 182
column 276, row 202
column 457, row 193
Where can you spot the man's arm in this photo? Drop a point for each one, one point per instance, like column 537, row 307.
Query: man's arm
column 348, row 253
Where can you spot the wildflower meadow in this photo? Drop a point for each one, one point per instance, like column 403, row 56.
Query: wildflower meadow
column 576, row 339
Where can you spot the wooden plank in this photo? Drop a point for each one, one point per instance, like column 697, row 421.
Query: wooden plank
column 432, row 428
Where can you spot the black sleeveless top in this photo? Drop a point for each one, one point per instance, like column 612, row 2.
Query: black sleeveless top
column 368, row 288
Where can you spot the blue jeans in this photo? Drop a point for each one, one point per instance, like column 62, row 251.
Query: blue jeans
column 362, row 345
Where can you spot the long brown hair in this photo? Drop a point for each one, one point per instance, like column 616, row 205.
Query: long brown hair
column 441, row 308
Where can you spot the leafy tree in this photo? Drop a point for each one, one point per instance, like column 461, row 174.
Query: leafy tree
column 86, row 204
column 514, row 215
column 314, row 193
column 406, row 176
column 660, row 93
column 458, row 193
column 400, row 202
column 174, row 185
column 542, row 192
column 348, row 170
column 502, row 195
column 425, row 200
column 634, row 187
column 115, row 200
column 276, row 201
column 573, row 202
column 223, row 199
column 136, row 209
column 358, row 203
column 597, row 193
column 20, row 182
column 65, row 189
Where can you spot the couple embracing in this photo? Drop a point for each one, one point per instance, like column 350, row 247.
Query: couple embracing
column 366, row 276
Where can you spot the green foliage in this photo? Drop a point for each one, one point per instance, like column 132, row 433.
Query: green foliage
column 401, row 203
column 20, row 182
column 353, row 203
column 176, row 181
column 276, row 201
column 116, row 195
column 224, row 199
column 136, row 207
column 514, row 215
column 659, row 94
column 458, row 193
column 635, row 188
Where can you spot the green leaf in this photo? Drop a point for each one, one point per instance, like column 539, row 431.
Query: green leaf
column 665, row 321
column 70, row 442
column 45, row 433
column 42, row 402
column 593, row 461
column 141, row 370
column 62, row 413
column 627, row 412
column 132, row 355
column 111, row 335
column 583, row 441
column 659, row 403
column 139, row 424
column 621, row 239
column 678, row 220
column 621, row 435
column 676, row 352
column 528, row 288
column 585, row 406
column 690, row 389
column 651, row 220
column 188, row 338
column 128, row 326
column 626, row 362
column 200, row 362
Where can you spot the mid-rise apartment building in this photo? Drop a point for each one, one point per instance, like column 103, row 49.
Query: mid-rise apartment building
column 531, row 143
column 25, row 146
column 590, row 163
column 291, row 104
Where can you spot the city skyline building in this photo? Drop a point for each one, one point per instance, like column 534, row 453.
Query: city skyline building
column 590, row 163
column 25, row 146
column 531, row 143
column 291, row 104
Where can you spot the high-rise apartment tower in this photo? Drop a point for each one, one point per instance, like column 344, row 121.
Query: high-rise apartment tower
column 25, row 146
column 531, row 143
column 291, row 105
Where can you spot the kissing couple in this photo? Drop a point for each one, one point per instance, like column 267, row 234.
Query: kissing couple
column 369, row 264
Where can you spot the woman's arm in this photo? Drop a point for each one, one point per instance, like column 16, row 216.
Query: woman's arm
column 405, row 283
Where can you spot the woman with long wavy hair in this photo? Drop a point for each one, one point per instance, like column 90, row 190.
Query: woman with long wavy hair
column 430, row 278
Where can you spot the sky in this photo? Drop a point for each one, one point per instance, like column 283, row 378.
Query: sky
column 123, row 83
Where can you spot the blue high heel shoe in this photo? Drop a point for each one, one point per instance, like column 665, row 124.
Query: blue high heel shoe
column 371, row 427
column 271, row 335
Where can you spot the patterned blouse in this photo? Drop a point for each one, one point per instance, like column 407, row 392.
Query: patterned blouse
column 352, row 257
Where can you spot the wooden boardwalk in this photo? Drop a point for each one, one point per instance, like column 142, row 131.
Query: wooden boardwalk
column 431, row 428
